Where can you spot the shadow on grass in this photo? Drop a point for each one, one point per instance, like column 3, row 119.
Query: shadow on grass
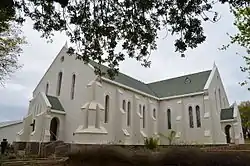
column 115, row 156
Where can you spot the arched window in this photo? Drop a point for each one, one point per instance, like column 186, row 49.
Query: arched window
column 198, row 116
column 169, row 118
column 47, row 88
column 106, row 109
column 124, row 105
column 129, row 114
column 140, row 109
column 220, row 98
column 73, row 87
column 154, row 113
column 215, row 96
column 143, row 117
column 191, row 120
column 59, row 84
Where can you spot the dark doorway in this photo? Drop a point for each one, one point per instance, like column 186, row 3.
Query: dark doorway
column 54, row 129
column 227, row 131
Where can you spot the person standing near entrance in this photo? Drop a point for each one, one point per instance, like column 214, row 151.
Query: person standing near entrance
column 4, row 144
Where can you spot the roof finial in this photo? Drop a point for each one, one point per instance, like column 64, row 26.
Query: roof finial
column 214, row 65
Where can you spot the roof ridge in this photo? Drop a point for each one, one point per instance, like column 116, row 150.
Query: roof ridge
column 121, row 73
column 149, row 88
column 178, row 77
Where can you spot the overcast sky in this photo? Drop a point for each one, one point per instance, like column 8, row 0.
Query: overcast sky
column 38, row 55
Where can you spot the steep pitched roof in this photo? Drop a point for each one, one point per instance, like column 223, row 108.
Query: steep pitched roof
column 180, row 85
column 126, row 80
column 9, row 123
column 55, row 103
column 170, row 87
column 227, row 113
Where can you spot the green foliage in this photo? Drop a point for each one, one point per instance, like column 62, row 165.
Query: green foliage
column 244, row 109
column 10, row 45
column 170, row 137
column 151, row 143
column 242, row 37
column 110, row 30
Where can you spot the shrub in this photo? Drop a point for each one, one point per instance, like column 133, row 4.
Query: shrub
column 151, row 143
column 170, row 137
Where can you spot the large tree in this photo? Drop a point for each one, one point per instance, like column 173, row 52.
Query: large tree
column 10, row 43
column 242, row 38
column 244, row 109
column 111, row 30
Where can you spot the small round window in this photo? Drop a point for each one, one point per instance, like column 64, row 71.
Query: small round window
column 187, row 80
column 62, row 58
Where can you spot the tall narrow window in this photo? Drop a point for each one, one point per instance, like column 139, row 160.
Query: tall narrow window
column 198, row 116
column 47, row 88
column 215, row 96
column 154, row 113
column 59, row 84
column 169, row 118
column 143, row 117
column 140, row 109
column 129, row 114
column 124, row 105
column 191, row 120
column 106, row 109
column 73, row 87
column 220, row 98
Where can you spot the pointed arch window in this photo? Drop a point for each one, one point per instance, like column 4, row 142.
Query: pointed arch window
column 143, row 117
column 129, row 114
column 106, row 109
column 140, row 110
column 72, row 94
column 124, row 105
column 169, row 118
column 154, row 113
column 216, row 102
column 220, row 98
column 198, row 116
column 59, row 83
column 47, row 88
column 191, row 118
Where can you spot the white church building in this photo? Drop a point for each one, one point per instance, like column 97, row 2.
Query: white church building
column 71, row 104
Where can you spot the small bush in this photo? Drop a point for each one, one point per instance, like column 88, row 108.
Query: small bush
column 151, row 143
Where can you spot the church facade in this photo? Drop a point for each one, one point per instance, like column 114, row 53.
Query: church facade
column 71, row 104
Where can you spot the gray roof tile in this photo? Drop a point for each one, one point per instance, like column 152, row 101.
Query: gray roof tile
column 164, row 88
column 55, row 103
column 227, row 113
column 180, row 85
column 126, row 80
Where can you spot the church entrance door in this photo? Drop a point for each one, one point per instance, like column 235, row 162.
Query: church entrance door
column 54, row 129
column 227, row 132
